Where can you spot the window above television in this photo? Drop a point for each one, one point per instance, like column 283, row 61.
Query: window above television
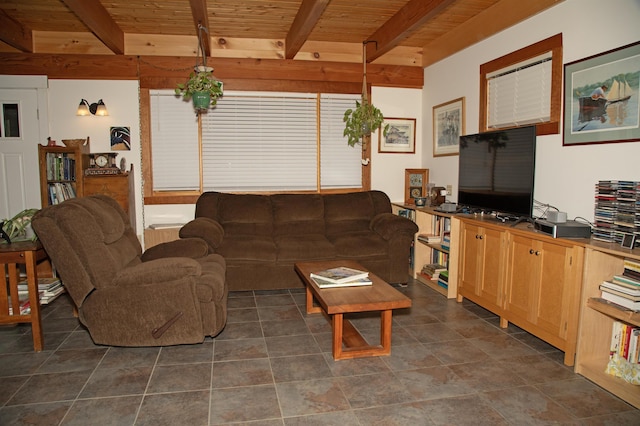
column 523, row 88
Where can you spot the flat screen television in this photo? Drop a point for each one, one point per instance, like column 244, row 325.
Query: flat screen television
column 496, row 171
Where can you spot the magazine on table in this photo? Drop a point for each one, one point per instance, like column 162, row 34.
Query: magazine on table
column 341, row 274
column 358, row 282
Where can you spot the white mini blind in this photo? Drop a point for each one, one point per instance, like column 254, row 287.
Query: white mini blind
column 260, row 142
column 174, row 132
column 340, row 164
column 520, row 94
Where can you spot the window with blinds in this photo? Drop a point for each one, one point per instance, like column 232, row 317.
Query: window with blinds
column 253, row 141
column 521, row 94
column 523, row 88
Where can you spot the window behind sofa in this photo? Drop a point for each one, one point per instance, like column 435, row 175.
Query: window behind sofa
column 253, row 141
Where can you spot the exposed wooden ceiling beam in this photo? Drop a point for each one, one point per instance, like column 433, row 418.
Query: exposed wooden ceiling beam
column 498, row 17
column 15, row 34
column 402, row 25
column 308, row 15
column 200, row 17
column 99, row 21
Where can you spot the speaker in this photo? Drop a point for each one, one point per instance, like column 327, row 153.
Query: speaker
column 556, row 217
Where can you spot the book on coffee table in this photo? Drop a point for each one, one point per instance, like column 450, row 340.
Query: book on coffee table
column 341, row 274
column 355, row 283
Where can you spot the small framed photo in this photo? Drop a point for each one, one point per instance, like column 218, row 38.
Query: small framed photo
column 448, row 125
column 400, row 138
column 415, row 184
column 628, row 241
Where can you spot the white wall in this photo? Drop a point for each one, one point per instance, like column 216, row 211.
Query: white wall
column 565, row 176
column 121, row 99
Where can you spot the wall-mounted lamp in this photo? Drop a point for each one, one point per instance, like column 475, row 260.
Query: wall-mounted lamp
column 98, row 108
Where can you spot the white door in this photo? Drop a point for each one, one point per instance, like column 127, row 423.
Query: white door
column 19, row 134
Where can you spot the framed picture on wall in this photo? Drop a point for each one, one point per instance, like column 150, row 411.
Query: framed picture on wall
column 415, row 184
column 448, row 125
column 601, row 97
column 400, row 138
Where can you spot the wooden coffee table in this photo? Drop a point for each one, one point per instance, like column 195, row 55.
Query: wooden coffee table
column 335, row 302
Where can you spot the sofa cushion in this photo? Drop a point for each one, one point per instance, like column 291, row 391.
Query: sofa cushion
column 297, row 214
column 358, row 245
column 245, row 214
column 348, row 212
column 248, row 247
column 304, row 247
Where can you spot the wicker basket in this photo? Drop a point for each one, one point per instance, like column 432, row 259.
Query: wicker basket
column 73, row 143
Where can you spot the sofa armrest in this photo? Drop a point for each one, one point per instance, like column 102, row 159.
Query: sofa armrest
column 158, row 271
column 194, row 248
column 206, row 228
column 389, row 225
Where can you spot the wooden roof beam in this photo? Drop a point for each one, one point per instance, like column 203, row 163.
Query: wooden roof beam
column 498, row 17
column 15, row 34
column 200, row 17
column 93, row 14
column 401, row 25
column 306, row 19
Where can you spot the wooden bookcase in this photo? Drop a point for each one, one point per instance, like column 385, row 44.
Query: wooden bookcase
column 602, row 261
column 430, row 221
column 61, row 172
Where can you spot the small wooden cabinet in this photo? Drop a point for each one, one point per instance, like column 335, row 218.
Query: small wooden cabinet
column 115, row 186
column 61, row 172
column 529, row 279
column 482, row 268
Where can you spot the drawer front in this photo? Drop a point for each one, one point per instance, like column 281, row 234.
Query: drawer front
column 116, row 187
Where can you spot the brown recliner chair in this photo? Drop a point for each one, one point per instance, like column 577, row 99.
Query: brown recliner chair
column 173, row 293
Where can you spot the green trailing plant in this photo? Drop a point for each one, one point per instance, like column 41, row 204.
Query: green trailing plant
column 364, row 118
column 200, row 81
column 201, row 86
column 361, row 121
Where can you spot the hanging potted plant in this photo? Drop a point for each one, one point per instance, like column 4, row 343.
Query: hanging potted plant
column 365, row 118
column 201, row 87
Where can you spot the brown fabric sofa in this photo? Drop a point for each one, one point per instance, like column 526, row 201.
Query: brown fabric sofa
column 125, row 297
column 262, row 236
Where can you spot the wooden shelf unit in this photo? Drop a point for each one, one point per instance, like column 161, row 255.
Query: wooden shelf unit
column 57, row 161
column 427, row 220
column 602, row 262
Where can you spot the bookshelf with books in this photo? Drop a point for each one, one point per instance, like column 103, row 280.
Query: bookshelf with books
column 435, row 247
column 603, row 262
column 61, row 172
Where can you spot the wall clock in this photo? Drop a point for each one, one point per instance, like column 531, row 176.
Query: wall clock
column 415, row 184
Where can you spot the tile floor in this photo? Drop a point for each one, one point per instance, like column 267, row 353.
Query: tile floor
column 450, row 365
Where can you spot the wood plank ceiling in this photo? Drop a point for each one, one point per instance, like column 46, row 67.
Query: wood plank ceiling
column 406, row 32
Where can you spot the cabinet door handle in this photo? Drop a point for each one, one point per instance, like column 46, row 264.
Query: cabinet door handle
column 531, row 251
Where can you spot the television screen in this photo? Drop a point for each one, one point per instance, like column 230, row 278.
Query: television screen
column 496, row 171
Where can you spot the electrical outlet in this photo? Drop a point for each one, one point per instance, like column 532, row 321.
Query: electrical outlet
column 449, row 189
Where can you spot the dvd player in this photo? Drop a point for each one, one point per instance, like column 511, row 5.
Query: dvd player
column 568, row 229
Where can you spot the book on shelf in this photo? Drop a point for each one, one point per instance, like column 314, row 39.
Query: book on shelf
column 429, row 238
column 632, row 264
column 43, row 283
column 356, row 282
column 340, row 274
column 625, row 281
column 432, row 271
column 620, row 290
column 621, row 301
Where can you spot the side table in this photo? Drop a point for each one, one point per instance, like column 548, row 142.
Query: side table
column 28, row 253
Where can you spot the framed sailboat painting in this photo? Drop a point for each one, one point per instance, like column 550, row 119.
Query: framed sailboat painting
column 601, row 97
